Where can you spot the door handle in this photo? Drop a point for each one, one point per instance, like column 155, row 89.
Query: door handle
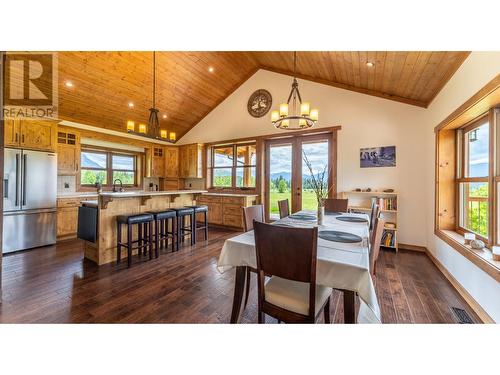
column 17, row 180
column 25, row 158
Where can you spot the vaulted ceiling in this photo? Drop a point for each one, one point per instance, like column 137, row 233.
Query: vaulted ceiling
column 104, row 83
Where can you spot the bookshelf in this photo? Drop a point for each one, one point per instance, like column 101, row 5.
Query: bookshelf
column 389, row 205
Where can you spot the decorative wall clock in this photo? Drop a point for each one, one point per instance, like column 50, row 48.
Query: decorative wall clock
column 259, row 103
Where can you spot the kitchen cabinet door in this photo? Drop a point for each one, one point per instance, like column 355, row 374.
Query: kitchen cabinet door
column 39, row 135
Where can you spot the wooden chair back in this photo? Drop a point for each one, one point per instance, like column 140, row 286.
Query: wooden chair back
column 289, row 253
column 252, row 213
column 375, row 245
column 374, row 214
column 336, row 205
column 284, row 208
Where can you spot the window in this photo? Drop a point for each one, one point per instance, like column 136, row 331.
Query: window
column 233, row 166
column 105, row 167
column 473, row 185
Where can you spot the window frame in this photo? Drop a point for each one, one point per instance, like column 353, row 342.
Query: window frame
column 462, row 164
column 234, row 167
column 109, row 167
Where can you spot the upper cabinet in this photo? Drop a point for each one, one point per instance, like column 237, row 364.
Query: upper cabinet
column 155, row 162
column 191, row 161
column 31, row 134
column 171, row 162
column 68, row 152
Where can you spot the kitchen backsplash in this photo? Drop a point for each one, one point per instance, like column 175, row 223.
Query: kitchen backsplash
column 194, row 183
column 66, row 184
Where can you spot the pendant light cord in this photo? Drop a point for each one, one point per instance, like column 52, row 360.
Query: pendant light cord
column 154, row 79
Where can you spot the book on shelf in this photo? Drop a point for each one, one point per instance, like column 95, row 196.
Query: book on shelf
column 388, row 239
column 386, row 204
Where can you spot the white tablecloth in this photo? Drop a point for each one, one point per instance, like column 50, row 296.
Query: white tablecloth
column 340, row 265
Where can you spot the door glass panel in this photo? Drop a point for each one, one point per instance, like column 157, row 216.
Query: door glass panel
column 280, row 177
column 314, row 172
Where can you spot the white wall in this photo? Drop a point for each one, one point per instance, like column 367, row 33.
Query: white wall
column 366, row 121
column 476, row 71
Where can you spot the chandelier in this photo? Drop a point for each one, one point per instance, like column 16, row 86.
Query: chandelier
column 153, row 129
column 298, row 114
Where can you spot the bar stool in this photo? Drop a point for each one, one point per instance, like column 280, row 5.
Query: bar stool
column 184, row 230
column 164, row 220
column 145, row 235
column 200, row 209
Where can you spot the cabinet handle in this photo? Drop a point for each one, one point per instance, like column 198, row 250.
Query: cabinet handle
column 17, row 137
column 22, row 138
column 77, row 167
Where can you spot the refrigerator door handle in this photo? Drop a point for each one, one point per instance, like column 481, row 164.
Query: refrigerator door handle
column 17, row 180
column 25, row 158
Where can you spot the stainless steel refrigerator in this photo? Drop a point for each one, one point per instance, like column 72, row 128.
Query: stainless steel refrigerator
column 29, row 199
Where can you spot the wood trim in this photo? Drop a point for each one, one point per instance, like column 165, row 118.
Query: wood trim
column 403, row 246
column 361, row 90
column 474, row 107
column 485, row 265
column 2, row 141
column 474, row 305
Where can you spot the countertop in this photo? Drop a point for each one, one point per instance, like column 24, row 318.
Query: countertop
column 132, row 194
column 232, row 194
column 77, row 195
column 90, row 203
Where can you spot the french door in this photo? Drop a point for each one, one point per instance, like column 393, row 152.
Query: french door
column 293, row 165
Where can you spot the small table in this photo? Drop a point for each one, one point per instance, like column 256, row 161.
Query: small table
column 344, row 266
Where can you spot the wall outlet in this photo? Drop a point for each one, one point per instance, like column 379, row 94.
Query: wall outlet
column 66, row 185
column 190, row 185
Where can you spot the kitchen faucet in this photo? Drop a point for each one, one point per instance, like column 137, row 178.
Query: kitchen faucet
column 114, row 186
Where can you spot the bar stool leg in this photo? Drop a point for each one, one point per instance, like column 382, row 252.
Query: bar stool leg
column 193, row 228
column 157, row 234
column 164, row 230
column 118, row 246
column 206, row 224
column 150, row 241
column 139, row 237
column 174, row 234
column 129, row 245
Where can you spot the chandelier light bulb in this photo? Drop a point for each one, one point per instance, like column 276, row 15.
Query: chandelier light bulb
column 275, row 116
column 304, row 109
column 314, row 114
column 284, row 109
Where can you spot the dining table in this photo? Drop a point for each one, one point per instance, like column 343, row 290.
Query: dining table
column 340, row 265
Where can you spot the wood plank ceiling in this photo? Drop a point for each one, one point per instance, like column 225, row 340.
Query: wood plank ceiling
column 105, row 82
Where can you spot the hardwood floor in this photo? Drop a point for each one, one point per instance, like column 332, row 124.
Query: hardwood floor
column 56, row 285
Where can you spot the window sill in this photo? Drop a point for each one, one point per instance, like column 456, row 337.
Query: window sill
column 481, row 258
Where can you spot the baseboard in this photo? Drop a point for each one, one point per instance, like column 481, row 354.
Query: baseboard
column 404, row 246
column 481, row 313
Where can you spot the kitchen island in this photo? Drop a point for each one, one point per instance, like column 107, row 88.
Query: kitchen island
column 110, row 205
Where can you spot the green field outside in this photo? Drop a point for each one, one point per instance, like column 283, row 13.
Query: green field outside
column 309, row 201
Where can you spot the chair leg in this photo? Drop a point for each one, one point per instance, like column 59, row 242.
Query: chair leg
column 178, row 231
column 174, row 234
column 118, row 240
column 129, row 245
column 247, row 287
column 326, row 311
column 261, row 317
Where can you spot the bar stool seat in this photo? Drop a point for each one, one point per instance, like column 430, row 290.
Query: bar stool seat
column 162, row 234
column 184, row 230
column 200, row 209
column 144, row 240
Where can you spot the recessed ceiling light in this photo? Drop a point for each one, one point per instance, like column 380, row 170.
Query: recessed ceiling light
column 164, row 116
column 69, row 84
column 131, row 105
column 370, row 64
column 211, row 69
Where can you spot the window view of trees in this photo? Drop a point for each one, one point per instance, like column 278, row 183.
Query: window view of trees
column 105, row 167
column 225, row 165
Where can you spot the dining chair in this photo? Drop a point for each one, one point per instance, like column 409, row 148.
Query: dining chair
column 289, row 256
column 375, row 245
column 336, row 205
column 375, row 213
column 252, row 213
column 284, row 208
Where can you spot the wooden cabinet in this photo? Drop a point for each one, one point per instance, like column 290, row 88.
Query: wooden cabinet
column 191, row 161
column 67, row 216
column 155, row 162
column 12, row 133
column 68, row 152
column 39, row 135
column 171, row 162
column 226, row 210
column 31, row 134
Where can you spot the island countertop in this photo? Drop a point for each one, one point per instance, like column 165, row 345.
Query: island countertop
column 132, row 194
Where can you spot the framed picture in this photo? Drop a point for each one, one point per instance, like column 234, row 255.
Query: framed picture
column 377, row 157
